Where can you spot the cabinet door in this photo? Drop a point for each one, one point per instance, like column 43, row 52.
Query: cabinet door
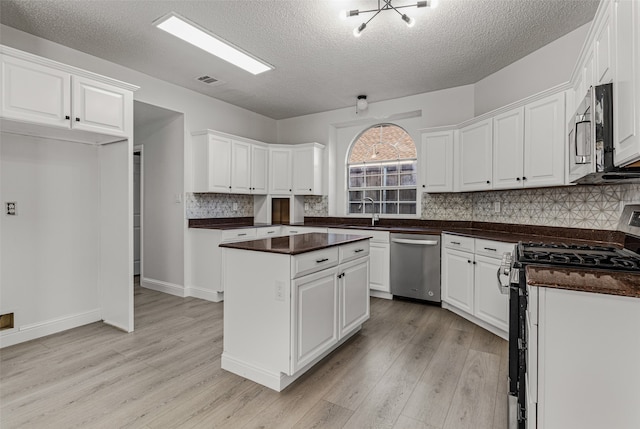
column 457, row 279
column 476, row 156
column 437, row 162
column 379, row 272
column 544, row 149
column 354, row 295
column 303, row 170
column 219, row 165
column 100, row 107
column 603, row 50
column 35, row 93
column 315, row 316
column 490, row 304
column 508, row 143
column 259, row 168
column 240, row 167
column 626, row 85
column 280, row 171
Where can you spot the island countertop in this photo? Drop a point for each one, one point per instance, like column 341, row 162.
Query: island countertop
column 296, row 244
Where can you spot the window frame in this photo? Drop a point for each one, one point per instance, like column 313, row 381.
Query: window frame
column 347, row 188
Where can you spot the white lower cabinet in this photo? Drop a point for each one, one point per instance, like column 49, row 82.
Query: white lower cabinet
column 380, row 254
column 289, row 311
column 470, row 284
column 583, row 354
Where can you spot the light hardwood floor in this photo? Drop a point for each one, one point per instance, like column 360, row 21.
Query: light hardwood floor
column 411, row 366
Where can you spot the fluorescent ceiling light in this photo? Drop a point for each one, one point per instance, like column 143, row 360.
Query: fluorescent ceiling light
column 192, row 33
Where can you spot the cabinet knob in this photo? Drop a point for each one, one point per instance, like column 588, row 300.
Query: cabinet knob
column 67, row 117
column 424, row 186
column 524, row 178
column 309, row 189
column 229, row 187
column 289, row 190
column 468, row 261
column 518, row 179
column 488, row 182
column 77, row 119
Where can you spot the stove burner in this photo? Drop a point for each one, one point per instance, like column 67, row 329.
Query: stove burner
column 601, row 257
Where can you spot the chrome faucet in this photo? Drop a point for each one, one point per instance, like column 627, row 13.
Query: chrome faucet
column 374, row 216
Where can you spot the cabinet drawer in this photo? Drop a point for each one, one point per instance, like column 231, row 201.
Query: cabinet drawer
column 493, row 249
column 458, row 242
column 311, row 262
column 270, row 231
column 351, row 251
column 238, row 234
column 290, row 230
column 376, row 236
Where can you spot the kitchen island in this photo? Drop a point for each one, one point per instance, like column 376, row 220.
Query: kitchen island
column 290, row 301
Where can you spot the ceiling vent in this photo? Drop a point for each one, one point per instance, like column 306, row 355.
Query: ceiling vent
column 211, row 81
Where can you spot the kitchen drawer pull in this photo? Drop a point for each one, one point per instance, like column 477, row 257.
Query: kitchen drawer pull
column 270, row 232
column 456, row 243
column 241, row 235
column 490, row 248
column 358, row 250
column 319, row 261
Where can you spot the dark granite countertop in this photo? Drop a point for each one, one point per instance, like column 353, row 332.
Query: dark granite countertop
column 295, row 244
column 585, row 280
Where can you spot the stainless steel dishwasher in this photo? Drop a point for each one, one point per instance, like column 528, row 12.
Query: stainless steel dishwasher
column 415, row 266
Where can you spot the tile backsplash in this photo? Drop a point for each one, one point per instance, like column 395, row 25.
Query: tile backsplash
column 200, row 206
column 591, row 207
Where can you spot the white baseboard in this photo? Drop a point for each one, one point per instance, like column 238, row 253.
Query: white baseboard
column 42, row 329
column 166, row 287
column 499, row 332
column 380, row 294
column 205, row 294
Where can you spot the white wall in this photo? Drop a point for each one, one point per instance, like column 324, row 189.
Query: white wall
column 162, row 215
column 545, row 68
column 51, row 249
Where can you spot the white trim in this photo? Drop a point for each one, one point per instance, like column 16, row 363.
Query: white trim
column 277, row 381
column 205, row 294
column 48, row 327
column 6, row 50
column 379, row 294
column 473, row 319
column 160, row 286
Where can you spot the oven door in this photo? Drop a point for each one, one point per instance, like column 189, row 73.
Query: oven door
column 517, row 348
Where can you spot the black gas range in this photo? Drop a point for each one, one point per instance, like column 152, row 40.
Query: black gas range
column 578, row 256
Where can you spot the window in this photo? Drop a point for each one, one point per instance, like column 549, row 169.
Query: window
column 382, row 166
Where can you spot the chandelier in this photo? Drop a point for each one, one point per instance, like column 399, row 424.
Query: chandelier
column 386, row 5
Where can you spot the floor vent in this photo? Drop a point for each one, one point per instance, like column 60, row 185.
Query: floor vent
column 6, row 321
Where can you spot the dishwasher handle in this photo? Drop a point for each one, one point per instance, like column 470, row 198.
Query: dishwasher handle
column 415, row 242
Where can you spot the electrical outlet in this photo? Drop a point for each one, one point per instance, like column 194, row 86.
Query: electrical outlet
column 279, row 291
column 235, row 207
column 12, row 206
column 496, row 206
column 306, row 206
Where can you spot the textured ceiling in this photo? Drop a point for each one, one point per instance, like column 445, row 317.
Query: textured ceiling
column 320, row 66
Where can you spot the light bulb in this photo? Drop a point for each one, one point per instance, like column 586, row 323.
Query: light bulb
column 358, row 31
column 409, row 21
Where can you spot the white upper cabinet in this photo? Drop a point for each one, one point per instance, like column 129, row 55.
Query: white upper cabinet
column 307, row 169
column 603, row 50
column 45, row 93
column 544, row 149
column 437, row 161
column 296, row 169
column 259, row 169
column 508, row 149
column 280, row 162
column 35, row 93
column 476, row 156
column 100, row 107
column 220, row 163
column 626, row 82
column 240, row 167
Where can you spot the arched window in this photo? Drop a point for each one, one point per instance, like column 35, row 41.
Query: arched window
column 382, row 166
